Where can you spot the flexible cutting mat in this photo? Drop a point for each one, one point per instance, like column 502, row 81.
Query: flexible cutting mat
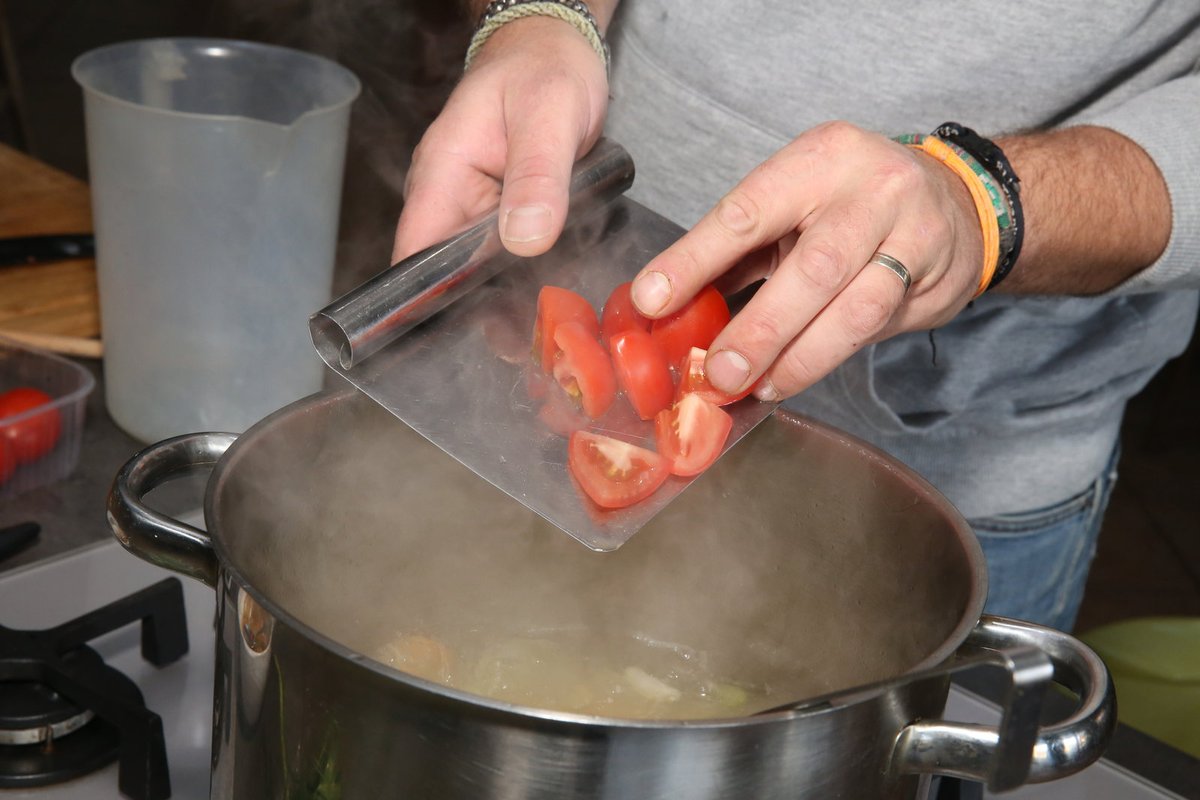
column 464, row 379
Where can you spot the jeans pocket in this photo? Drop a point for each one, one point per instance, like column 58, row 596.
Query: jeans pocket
column 1038, row 520
column 1038, row 560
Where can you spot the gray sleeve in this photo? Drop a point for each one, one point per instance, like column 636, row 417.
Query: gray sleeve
column 1165, row 122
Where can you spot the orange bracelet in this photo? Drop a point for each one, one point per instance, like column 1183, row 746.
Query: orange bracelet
column 935, row 147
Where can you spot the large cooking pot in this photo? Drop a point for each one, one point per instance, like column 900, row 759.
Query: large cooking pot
column 804, row 559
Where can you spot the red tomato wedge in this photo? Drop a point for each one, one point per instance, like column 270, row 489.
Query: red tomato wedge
column 642, row 371
column 621, row 315
column 554, row 307
column 582, row 368
column 691, row 434
column 35, row 435
column 693, row 380
column 694, row 325
column 613, row 473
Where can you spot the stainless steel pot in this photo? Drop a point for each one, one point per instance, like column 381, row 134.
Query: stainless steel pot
column 803, row 555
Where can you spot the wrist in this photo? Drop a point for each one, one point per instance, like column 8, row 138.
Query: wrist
column 1097, row 210
column 574, row 14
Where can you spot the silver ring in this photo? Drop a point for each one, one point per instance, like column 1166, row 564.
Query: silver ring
column 884, row 260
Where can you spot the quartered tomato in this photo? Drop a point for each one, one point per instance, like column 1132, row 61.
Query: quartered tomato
column 34, row 435
column 693, row 380
column 694, row 325
column 620, row 315
column 554, row 307
column 582, row 368
column 691, row 434
column 613, row 473
column 642, row 371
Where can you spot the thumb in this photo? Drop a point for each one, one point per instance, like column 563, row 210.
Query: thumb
column 537, row 179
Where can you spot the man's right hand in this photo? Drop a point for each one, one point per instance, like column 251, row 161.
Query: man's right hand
column 532, row 102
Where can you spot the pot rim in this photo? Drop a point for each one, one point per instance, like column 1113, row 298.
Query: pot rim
column 970, row 617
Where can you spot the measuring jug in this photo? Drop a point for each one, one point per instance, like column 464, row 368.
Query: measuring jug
column 216, row 172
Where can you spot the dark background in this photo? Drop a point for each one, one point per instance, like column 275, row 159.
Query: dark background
column 408, row 55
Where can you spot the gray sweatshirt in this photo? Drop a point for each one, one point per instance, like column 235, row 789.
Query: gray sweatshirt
column 1023, row 405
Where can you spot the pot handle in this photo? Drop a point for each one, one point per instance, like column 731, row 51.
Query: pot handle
column 1005, row 760
column 155, row 537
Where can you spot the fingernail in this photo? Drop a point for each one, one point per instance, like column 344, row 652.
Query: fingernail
column 766, row 391
column 526, row 224
column 727, row 370
column 651, row 292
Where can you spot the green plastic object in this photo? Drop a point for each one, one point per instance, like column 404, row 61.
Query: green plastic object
column 1155, row 665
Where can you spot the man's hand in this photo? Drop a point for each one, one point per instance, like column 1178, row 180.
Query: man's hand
column 532, row 102
column 810, row 217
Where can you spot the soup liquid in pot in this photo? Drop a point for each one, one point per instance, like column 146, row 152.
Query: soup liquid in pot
column 794, row 567
column 558, row 669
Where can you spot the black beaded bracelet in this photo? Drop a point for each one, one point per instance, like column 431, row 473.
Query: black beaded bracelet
column 987, row 153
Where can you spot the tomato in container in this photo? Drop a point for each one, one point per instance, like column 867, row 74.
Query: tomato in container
column 8, row 461
column 34, row 434
column 42, row 402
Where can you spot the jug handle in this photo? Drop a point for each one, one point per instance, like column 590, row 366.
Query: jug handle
column 155, row 537
column 1002, row 756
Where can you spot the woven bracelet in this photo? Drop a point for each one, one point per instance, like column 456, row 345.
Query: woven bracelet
column 1003, row 209
column 989, row 154
column 984, row 207
column 499, row 13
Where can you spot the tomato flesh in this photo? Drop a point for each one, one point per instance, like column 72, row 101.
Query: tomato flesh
column 621, row 315
column 694, row 325
column 614, row 474
column 643, row 372
column 583, row 369
column 35, row 435
column 694, row 380
column 554, row 307
column 691, row 434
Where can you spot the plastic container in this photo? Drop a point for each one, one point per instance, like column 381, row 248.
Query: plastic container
column 69, row 385
column 216, row 173
column 1155, row 664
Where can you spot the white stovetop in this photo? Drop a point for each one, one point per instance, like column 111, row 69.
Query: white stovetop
column 53, row 591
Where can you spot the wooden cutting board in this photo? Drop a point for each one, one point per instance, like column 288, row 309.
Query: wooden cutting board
column 54, row 305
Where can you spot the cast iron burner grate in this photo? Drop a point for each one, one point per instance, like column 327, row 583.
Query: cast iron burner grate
column 65, row 713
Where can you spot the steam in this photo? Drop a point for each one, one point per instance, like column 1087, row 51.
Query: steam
column 792, row 565
column 408, row 56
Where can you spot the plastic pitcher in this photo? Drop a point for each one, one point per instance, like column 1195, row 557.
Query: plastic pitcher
column 216, row 175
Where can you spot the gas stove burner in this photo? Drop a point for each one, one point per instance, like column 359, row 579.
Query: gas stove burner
column 65, row 713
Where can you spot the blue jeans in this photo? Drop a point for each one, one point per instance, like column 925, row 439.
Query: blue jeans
column 1038, row 560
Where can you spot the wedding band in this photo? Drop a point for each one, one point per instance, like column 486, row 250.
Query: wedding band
column 884, row 260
